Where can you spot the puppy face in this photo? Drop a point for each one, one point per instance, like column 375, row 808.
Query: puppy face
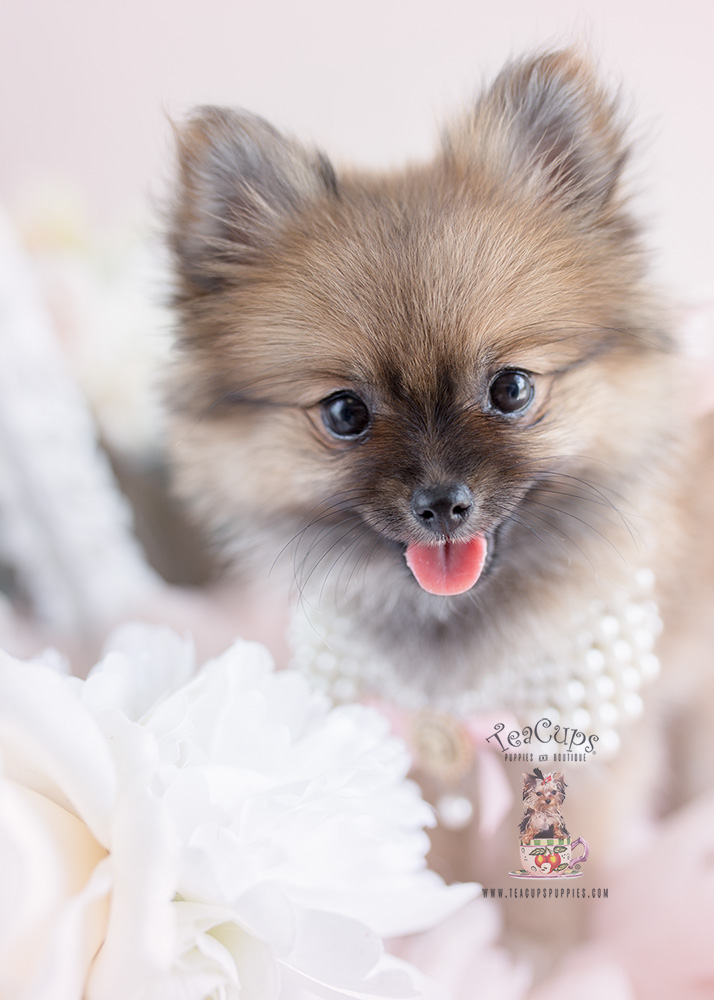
column 544, row 794
column 458, row 360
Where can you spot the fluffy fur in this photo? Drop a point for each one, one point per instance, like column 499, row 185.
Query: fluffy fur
column 512, row 250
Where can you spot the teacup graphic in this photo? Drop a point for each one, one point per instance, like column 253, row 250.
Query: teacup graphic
column 552, row 857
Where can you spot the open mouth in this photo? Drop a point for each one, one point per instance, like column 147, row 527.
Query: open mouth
column 447, row 567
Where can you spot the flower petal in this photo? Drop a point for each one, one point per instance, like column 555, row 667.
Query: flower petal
column 51, row 743
column 141, row 665
column 140, row 938
column 54, row 903
column 336, row 956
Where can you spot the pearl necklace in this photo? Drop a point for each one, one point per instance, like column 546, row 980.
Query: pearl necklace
column 594, row 686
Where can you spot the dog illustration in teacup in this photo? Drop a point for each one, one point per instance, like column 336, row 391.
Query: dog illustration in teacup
column 546, row 847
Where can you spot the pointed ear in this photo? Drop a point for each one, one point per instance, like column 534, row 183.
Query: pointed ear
column 559, row 777
column 528, row 784
column 547, row 125
column 240, row 182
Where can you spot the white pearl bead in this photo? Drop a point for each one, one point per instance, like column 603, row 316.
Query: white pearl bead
column 609, row 626
column 576, row 691
column 650, row 666
column 634, row 614
column 605, row 686
column 644, row 639
column 581, row 718
column 608, row 713
column 455, row 811
column 595, row 660
column 622, row 650
column 631, row 678
column 344, row 689
column 609, row 742
column 633, row 705
column 610, row 659
column 327, row 662
column 350, row 667
column 584, row 639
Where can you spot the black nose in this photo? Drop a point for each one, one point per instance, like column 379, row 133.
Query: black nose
column 442, row 508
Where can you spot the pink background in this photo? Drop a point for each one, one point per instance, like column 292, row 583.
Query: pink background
column 86, row 87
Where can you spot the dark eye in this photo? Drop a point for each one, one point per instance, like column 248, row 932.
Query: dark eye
column 345, row 415
column 511, row 391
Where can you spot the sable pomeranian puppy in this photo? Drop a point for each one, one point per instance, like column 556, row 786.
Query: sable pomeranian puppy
column 439, row 403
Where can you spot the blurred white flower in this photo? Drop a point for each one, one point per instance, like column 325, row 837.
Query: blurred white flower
column 86, row 858
column 217, row 835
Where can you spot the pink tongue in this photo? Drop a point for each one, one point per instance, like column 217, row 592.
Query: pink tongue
column 449, row 568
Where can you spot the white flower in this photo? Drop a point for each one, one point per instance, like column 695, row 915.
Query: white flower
column 211, row 836
column 86, row 854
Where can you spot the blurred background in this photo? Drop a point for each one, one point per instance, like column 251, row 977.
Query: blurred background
column 88, row 87
column 88, row 90
column 89, row 535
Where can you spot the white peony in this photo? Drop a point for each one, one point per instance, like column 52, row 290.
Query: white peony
column 165, row 834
